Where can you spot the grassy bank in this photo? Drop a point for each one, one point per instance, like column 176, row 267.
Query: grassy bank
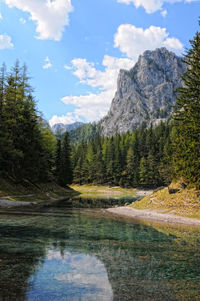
column 102, row 191
column 186, row 202
column 29, row 192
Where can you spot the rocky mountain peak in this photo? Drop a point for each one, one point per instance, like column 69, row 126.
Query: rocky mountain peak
column 60, row 128
column 145, row 93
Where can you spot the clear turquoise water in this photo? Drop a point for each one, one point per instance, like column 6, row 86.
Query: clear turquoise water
column 58, row 253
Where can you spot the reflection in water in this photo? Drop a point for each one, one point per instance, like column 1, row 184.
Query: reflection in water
column 75, row 277
column 84, row 201
column 57, row 253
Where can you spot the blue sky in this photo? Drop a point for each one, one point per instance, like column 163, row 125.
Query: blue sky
column 74, row 49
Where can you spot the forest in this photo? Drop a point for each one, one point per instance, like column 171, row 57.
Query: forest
column 27, row 146
column 154, row 156
column 148, row 157
column 140, row 158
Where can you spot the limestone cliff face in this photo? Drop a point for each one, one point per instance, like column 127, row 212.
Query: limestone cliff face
column 146, row 93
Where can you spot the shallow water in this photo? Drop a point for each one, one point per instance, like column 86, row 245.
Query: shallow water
column 60, row 253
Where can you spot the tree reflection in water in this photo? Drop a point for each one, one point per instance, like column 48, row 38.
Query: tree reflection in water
column 63, row 254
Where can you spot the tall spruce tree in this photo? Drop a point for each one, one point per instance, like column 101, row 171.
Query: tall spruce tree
column 2, row 99
column 65, row 175
column 26, row 145
column 187, row 118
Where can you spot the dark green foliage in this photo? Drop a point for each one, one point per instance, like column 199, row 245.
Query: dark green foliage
column 27, row 147
column 84, row 133
column 187, row 118
column 64, row 168
column 58, row 160
column 129, row 160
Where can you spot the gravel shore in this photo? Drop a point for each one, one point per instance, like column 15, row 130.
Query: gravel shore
column 5, row 203
column 153, row 215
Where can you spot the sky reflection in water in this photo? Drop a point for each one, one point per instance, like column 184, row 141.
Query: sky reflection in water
column 75, row 277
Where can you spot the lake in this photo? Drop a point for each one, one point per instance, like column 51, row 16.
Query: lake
column 56, row 252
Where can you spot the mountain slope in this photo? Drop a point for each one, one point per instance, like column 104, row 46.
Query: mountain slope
column 60, row 128
column 146, row 93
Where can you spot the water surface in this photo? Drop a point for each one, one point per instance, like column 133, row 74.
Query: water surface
column 60, row 253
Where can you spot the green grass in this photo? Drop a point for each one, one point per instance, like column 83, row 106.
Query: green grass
column 102, row 191
column 185, row 203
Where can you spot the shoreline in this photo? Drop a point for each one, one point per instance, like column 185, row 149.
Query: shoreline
column 6, row 203
column 152, row 215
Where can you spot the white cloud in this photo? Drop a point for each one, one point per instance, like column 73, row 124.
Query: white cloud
column 50, row 16
column 65, row 119
column 85, row 270
column 94, row 106
column 173, row 44
column 5, row 42
column 134, row 41
column 67, row 67
column 22, row 20
column 1, row 16
column 164, row 13
column 47, row 64
column 151, row 6
column 91, row 107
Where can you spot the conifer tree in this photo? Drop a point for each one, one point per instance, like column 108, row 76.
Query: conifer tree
column 99, row 167
column 2, row 87
column 130, row 165
column 26, row 146
column 11, row 112
column 143, row 172
column 66, row 174
column 77, row 172
column 58, row 161
column 187, row 118
column 2, row 99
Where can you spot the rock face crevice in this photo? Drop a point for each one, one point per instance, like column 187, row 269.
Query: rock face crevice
column 145, row 93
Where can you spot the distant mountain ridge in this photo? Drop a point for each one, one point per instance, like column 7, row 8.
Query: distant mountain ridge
column 61, row 128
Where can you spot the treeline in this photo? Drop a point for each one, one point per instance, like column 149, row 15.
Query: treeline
column 84, row 133
column 150, row 157
column 28, row 149
column 133, row 159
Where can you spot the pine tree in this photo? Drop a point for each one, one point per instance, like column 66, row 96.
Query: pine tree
column 130, row 166
column 143, row 172
column 2, row 99
column 90, row 158
column 117, row 160
column 11, row 114
column 100, row 169
column 2, row 88
column 136, row 159
column 66, row 168
column 27, row 146
column 110, row 157
column 187, row 118
column 77, row 172
column 58, row 160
